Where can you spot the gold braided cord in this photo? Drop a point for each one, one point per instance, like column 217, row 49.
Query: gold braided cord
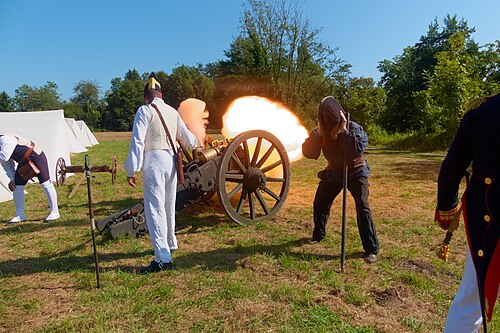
column 448, row 215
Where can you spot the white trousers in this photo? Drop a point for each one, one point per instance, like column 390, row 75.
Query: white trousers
column 464, row 315
column 160, row 190
column 50, row 193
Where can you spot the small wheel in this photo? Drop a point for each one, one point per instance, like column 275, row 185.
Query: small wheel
column 113, row 171
column 60, row 171
column 254, row 177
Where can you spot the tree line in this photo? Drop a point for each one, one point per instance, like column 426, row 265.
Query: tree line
column 278, row 54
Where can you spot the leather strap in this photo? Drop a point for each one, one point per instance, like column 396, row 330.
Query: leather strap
column 29, row 151
column 165, row 127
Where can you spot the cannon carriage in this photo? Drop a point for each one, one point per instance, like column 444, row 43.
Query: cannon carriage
column 250, row 174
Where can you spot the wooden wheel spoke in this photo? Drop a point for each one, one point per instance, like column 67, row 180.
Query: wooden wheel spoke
column 256, row 152
column 235, row 158
column 271, row 166
column 265, row 157
column 247, row 153
column 234, row 177
column 242, row 201
column 234, row 191
column 262, row 202
column 251, row 205
column 275, row 180
column 271, row 193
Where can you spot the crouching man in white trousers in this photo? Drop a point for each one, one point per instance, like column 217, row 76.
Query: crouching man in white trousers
column 150, row 151
column 15, row 149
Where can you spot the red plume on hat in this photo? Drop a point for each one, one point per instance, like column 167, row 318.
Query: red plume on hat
column 152, row 83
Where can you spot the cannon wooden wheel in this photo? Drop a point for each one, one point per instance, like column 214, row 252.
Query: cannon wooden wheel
column 60, row 171
column 253, row 178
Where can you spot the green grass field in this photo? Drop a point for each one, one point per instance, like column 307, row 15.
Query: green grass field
column 230, row 278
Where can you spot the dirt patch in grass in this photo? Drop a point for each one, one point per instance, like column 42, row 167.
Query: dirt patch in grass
column 112, row 136
column 418, row 266
column 390, row 297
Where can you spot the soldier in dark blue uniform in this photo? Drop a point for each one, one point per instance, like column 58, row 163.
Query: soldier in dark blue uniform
column 336, row 142
column 477, row 140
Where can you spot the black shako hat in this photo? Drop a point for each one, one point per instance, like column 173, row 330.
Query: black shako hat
column 152, row 83
column 329, row 114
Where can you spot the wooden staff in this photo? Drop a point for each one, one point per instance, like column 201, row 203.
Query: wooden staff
column 88, row 168
column 345, row 176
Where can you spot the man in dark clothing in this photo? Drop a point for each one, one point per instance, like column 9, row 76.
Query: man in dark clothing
column 336, row 142
column 476, row 141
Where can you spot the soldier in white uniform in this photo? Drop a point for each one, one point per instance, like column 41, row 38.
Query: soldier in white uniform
column 150, row 151
column 14, row 149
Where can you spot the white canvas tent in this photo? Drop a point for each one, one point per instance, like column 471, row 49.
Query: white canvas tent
column 87, row 132
column 82, row 132
column 48, row 130
column 75, row 145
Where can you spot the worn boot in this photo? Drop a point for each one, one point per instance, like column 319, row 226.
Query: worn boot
column 155, row 266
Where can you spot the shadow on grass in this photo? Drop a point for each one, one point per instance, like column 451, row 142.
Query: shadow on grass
column 101, row 208
column 38, row 225
column 65, row 261
column 99, row 211
column 191, row 224
column 230, row 258
column 193, row 220
column 222, row 259
column 416, row 170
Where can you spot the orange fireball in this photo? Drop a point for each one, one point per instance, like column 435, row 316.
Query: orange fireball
column 259, row 113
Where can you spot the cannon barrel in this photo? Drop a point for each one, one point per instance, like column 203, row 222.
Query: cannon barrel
column 215, row 150
column 205, row 155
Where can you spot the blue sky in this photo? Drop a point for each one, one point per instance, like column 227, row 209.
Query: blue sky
column 66, row 41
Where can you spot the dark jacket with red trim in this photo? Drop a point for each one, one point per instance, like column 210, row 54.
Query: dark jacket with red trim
column 477, row 141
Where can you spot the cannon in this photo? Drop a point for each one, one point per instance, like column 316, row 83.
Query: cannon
column 62, row 169
column 250, row 174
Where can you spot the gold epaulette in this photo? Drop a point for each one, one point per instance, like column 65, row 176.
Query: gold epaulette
column 477, row 102
column 474, row 103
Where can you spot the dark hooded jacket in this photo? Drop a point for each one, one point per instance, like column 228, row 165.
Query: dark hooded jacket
column 351, row 144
